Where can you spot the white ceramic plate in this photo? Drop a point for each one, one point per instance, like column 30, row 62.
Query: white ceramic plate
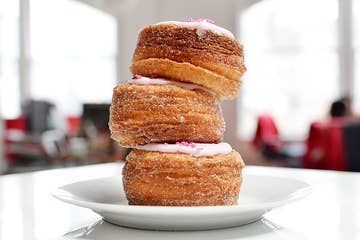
column 259, row 195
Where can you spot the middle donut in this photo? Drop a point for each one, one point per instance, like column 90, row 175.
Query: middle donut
column 158, row 110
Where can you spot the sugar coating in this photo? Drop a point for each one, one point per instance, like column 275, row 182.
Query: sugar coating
column 142, row 114
column 176, row 129
column 166, row 179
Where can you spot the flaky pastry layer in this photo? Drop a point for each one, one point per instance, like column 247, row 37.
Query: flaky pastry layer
column 219, row 55
column 174, row 179
column 164, row 113
column 222, row 87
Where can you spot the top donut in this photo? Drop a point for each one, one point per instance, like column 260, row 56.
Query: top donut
column 197, row 51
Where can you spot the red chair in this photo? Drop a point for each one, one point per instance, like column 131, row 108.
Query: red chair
column 16, row 123
column 325, row 146
column 73, row 124
column 267, row 134
column 13, row 128
column 315, row 147
column 334, row 158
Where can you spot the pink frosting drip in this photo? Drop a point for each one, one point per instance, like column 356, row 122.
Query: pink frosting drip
column 141, row 80
column 194, row 149
column 201, row 24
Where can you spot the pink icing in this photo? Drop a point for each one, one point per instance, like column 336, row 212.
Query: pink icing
column 201, row 20
column 194, row 149
column 188, row 144
column 141, row 80
column 201, row 24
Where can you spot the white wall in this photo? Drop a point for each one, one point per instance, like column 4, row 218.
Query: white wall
column 145, row 12
column 130, row 21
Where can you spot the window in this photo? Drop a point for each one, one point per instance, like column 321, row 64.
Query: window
column 290, row 53
column 356, row 42
column 73, row 48
column 9, row 59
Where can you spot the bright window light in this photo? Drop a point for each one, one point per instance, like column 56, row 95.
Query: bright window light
column 290, row 53
column 9, row 58
column 356, row 32
column 73, row 49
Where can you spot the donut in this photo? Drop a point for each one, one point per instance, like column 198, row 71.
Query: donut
column 180, row 179
column 197, row 52
column 142, row 114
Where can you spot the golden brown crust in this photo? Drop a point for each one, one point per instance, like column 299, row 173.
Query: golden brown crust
column 183, row 44
column 164, row 113
column 174, row 179
column 223, row 87
column 218, row 54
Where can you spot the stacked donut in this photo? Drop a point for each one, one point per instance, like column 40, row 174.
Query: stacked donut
column 169, row 113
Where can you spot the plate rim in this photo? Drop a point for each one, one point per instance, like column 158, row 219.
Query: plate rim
column 67, row 197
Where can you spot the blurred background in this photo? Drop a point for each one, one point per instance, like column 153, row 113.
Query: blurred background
column 60, row 59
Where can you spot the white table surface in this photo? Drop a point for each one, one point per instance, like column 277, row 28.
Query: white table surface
column 28, row 211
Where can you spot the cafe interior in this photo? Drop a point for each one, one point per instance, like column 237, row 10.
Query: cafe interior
column 295, row 121
column 59, row 61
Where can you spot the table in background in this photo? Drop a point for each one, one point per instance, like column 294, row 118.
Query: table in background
column 28, row 211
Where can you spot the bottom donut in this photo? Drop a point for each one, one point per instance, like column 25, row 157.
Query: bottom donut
column 178, row 179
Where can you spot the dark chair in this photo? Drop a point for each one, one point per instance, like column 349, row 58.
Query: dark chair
column 352, row 146
column 37, row 114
